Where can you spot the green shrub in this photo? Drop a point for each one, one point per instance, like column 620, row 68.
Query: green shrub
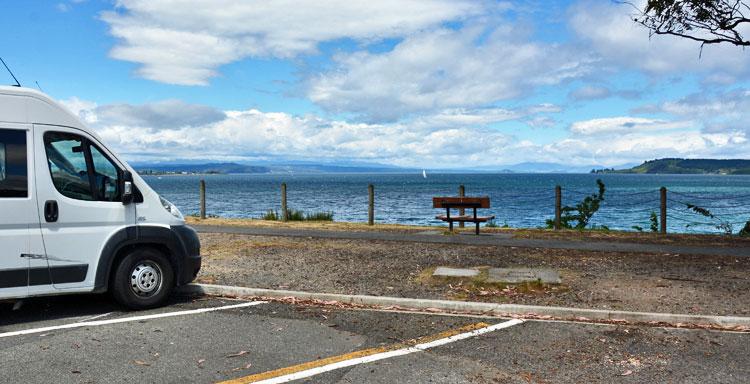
column 579, row 216
column 297, row 215
column 745, row 231
column 721, row 224
column 654, row 219
column 319, row 216
column 270, row 215
column 491, row 224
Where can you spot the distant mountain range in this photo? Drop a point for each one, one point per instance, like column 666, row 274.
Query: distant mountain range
column 687, row 166
column 191, row 167
column 227, row 168
column 542, row 167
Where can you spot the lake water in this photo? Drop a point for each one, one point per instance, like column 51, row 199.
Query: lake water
column 518, row 200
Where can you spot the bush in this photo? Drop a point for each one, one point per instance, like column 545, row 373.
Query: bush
column 581, row 213
column 270, row 215
column 297, row 215
column 319, row 216
column 722, row 225
column 654, row 222
column 745, row 231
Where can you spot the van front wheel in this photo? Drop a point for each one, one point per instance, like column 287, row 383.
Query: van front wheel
column 143, row 279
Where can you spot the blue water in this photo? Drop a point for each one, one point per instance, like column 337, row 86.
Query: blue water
column 519, row 200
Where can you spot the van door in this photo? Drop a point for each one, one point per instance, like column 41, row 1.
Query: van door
column 19, row 220
column 80, row 199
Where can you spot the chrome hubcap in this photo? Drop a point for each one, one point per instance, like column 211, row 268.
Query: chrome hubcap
column 145, row 279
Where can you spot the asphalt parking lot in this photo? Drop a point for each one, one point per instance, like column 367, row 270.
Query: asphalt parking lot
column 87, row 339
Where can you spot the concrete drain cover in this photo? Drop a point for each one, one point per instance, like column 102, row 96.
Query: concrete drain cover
column 523, row 275
column 455, row 272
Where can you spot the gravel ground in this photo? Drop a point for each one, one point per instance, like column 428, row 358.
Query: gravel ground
column 715, row 285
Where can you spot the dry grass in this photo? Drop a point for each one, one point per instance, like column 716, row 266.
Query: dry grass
column 573, row 235
column 328, row 225
column 635, row 237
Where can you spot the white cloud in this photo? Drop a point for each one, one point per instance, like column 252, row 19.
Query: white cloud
column 161, row 114
column 443, row 68
column 723, row 111
column 616, row 149
column 140, row 134
column 185, row 41
column 541, row 122
column 453, row 138
column 608, row 29
column 625, row 124
column 590, row 92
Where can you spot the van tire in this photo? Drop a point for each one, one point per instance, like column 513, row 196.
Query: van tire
column 143, row 279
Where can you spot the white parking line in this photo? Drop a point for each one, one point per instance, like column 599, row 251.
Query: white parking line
column 128, row 319
column 317, row 367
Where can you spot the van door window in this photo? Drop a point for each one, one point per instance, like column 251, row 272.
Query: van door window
column 107, row 176
column 13, row 164
column 66, row 156
column 79, row 169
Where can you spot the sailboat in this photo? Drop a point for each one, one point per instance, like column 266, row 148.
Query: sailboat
column 424, row 173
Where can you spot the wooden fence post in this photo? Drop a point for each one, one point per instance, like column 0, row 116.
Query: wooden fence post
column 284, row 211
column 203, row 199
column 663, row 209
column 371, row 205
column 558, row 206
column 461, row 211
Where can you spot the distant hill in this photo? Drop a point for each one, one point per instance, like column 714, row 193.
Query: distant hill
column 687, row 166
column 234, row 168
column 199, row 168
column 541, row 167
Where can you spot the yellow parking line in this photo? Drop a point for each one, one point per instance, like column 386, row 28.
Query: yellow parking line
column 351, row 355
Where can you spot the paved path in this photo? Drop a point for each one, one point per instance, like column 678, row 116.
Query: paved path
column 503, row 240
column 213, row 340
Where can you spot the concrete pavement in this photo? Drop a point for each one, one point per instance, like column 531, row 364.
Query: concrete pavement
column 239, row 342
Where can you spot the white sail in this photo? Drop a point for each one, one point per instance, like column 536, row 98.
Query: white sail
column 424, row 173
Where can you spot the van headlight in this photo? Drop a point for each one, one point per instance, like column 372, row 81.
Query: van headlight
column 171, row 208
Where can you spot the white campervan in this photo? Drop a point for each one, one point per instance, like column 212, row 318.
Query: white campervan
column 75, row 218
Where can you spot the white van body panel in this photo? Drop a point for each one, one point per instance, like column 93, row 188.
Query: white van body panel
column 86, row 233
column 88, row 223
column 19, row 227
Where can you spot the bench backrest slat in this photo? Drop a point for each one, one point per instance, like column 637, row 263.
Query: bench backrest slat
column 461, row 202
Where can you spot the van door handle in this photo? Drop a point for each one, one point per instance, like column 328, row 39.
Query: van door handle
column 32, row 256
column 50, row 211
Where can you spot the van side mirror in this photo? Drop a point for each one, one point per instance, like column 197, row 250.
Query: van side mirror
column 127, row 187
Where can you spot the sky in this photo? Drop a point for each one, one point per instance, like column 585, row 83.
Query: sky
column 429, row 84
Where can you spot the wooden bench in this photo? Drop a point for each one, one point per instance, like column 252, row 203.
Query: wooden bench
column 474, row 203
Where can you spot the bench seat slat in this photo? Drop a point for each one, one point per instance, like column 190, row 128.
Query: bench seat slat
column 461, row 202
column 465, row 218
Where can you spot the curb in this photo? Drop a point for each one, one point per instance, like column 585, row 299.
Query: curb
column 507, row 310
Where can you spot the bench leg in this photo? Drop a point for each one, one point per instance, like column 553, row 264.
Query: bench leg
column 477, row 227
column 450, row 226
